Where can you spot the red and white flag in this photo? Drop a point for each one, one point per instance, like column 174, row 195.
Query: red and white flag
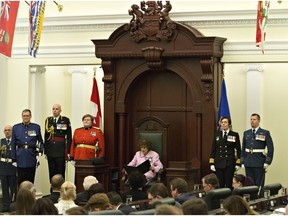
column 8, row 15
column 261, row 23
column 95, row 99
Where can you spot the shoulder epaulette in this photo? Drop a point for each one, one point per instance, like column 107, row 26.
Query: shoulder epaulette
column 96, row 127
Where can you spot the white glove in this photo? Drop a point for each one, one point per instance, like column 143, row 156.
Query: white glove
column 212, row 167
column 242, row 166
column 265, row 166
column 237, row 167
column 73, row 162
column 14, row 164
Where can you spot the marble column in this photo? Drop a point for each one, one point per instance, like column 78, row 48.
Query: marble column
column 254, row 97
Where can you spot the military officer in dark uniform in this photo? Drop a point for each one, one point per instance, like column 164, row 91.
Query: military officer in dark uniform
column 58, row 138
column 26, row 147
column 253, row 155
column 225, row 153
column 7, row 170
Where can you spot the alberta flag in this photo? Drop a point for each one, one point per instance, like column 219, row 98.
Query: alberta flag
column 95, row 99
column 8, row 15
column 223, row 107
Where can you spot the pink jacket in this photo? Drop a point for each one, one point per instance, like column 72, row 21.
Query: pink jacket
column 154, row 159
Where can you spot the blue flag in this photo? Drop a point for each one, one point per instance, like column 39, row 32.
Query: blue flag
column 223, row 107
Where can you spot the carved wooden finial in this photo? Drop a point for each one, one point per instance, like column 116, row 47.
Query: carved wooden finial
column 152, row 22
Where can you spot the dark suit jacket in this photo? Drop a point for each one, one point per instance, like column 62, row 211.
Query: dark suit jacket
column 136, row 195
column 6, row 169
column 81, row 197
column 54, row 196
column 260, row 141
column 223, row 151
column 126, row 209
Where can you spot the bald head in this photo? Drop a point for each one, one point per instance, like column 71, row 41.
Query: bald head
column 8, row 131
column 88, row 181
column 56, row 110
column 56, row 182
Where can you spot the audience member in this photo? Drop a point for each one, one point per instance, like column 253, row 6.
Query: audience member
column 116, row 203
column 136, row 181
column 44, row 206
column 87, row 182
column 24, row 202
column 67, row 197
column 24, row 185
column 156, row 192
column 95, row 188
column 76, row 211
column 98, row 202
column 56, row 182
column 179, row 190
column 240, row 180
column 166, row 209
column 210, row 182
column 196, row 206
column 236, row 205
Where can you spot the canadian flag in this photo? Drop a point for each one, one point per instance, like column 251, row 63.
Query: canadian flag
column 96, row 108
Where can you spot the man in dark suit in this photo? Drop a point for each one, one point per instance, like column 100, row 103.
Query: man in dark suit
column 225, row 153
column 7, row 170
column 253, row 155
column 116, row 203
column 58, row 138
column 56, row 182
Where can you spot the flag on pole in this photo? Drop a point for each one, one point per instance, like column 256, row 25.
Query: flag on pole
column 8, row 15
column 36, row 18
column 95, row 99
column 224, row 110
column 261, row 23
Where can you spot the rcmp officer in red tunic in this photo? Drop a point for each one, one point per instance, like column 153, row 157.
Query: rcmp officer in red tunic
column 7, row 170
column 58, row 138
column 88, row 141
column 253, row 155
column 225, row 154
column 26, row 145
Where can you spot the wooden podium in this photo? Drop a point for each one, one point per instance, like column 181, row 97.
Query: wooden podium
column 184, row 169
column 84, row 168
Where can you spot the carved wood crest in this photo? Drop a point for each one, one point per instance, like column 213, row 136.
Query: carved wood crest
column 152, row 22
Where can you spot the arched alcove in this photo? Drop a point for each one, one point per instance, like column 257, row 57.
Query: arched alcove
column 155, row 67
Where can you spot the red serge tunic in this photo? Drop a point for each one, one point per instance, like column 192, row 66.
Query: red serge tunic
column 84, row 142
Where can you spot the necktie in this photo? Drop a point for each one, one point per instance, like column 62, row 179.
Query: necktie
column 253, row 132
column 8, row 141
column 54, row 120
column 225, row 135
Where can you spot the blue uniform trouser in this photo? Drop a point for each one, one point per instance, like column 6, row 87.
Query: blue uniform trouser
column 257, row 174
column 26, row 174
column 8, row 184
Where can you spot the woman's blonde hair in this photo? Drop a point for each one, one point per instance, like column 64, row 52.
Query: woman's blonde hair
column 68, row 191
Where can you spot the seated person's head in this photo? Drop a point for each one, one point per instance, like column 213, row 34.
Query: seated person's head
column 68, row 191
column 195, row 206
column 76, row 211
column 240, row 180
column 210, row 182
column 29, row 186
column 88, row 181
column 24, row 201
column 166, row 209
column 145, row 146
column 44, row 206
column 157, row 191
column 56, row 182
column 178, row 186
column 98, row 202
column 114, row 199
column 95, row 188
column 136, row 180
column 236, row 205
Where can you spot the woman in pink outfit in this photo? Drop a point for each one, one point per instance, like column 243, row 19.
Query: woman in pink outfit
column 144, row 154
